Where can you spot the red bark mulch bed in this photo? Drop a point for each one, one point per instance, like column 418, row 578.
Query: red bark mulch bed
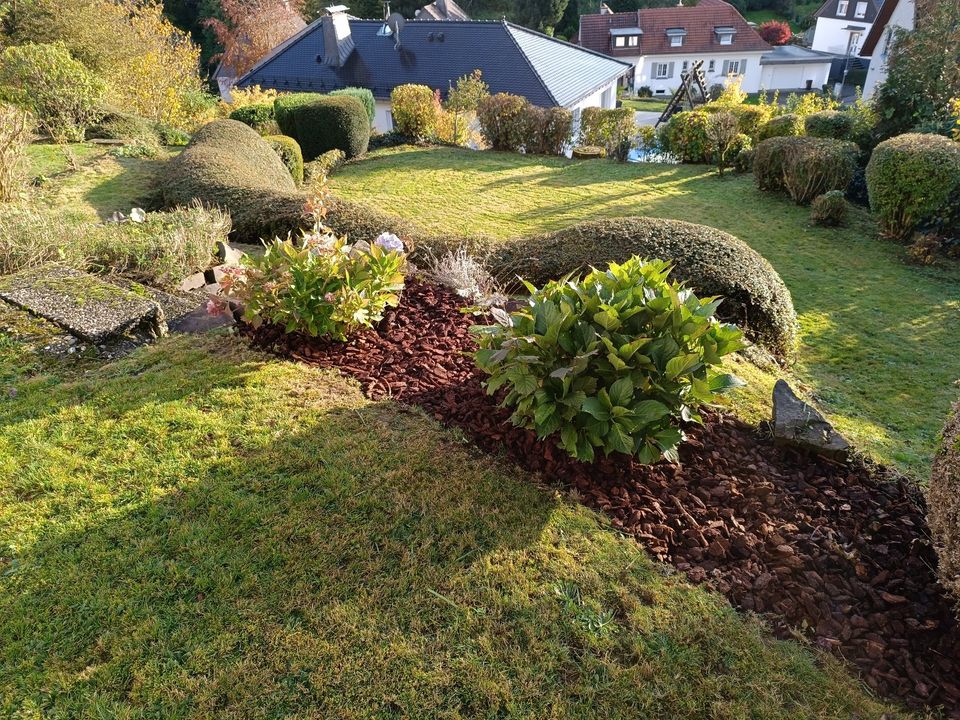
column 840, row 552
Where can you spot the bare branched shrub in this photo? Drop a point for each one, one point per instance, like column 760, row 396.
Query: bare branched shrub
column 722, row 132
column 16, row 129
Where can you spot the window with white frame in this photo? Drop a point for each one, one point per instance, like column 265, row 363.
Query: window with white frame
column 686, row 64
column 676, row 40
column 661, row 71
column 861, row 11
column 733, row 68
column 633, row 40
column 712, row 66
column 620, row 41
column 842, row 6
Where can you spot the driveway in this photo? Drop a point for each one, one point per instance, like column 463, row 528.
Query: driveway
column 645, row 117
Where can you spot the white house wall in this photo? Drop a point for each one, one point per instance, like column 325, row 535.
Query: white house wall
column 902, row 17
column 644, row 75
column 832, row 37
column 794, row 76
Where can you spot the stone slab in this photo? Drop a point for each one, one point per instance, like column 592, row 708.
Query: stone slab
column 84, row 305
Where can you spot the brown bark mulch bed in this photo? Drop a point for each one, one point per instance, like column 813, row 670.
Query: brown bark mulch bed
column 837, row 552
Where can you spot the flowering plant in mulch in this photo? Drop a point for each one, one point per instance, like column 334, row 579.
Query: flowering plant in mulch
column 615, row 362
column 320, row 284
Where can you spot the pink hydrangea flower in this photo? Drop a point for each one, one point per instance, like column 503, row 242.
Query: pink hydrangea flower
column 216, row 307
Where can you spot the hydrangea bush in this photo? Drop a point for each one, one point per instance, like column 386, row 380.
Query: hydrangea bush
column 615, row 362
column 320, row 284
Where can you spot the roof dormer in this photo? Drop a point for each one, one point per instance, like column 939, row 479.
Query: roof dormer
column 676, row 36
column 725, row 34
column 625, row 38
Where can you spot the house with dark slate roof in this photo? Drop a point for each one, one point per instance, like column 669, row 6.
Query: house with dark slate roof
column 338, row 51
column 893, row 15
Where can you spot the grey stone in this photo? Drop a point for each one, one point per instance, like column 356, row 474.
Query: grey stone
column 200, row 321
column 193, row 282
column 797, row 424
column 229, row 254
column 172, row 305
column 82, row 304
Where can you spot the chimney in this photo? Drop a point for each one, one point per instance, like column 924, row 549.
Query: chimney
column 337, row 40
column 442, row 7
column 605, row 9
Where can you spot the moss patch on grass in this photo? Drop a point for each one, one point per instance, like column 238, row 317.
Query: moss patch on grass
column 880, row 339
column 200, row 531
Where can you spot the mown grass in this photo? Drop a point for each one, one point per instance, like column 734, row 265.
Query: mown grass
column 201, row 531
column 647, row 104
column 880, row 339
column 88, row 182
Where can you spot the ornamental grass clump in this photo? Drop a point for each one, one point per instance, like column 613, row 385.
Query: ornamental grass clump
column 614, row 362
column 319, row 284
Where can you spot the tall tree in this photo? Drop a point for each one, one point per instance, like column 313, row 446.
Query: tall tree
column 252, row 28
column 540, row 15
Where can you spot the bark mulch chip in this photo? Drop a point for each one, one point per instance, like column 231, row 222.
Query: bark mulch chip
column 837, row 552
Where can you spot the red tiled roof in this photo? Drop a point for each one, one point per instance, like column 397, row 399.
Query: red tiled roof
column 699, row 21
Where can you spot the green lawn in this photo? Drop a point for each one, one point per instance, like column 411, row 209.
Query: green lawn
column 201, row 531
column 880, row 339
column 648, row 104
column 88, row 182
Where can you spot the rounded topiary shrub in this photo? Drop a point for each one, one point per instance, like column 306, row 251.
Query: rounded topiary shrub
column 228, row 165
column 813, row 166
column 258, row 116
column 913, row 179
column 364, row 96
column 829, row 209
column 502, row 118
column 751, row 119
column 829, row 124
column 943, row 501
column 328, row 122
column 710, row 261
column 685, row 135
column 283, row 108
column 288, row 150
column 768, row 160
column 781, row 126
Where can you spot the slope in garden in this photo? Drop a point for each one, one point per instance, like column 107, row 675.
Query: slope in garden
column 200, row 530
column 880, row 339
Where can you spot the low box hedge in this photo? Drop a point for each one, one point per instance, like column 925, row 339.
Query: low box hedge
column 943, row 501
column 364, row 96
column 288, row 150
column 710, row 261
column 228, row 165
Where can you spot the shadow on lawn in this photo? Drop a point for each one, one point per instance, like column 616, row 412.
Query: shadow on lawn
column 299, row 568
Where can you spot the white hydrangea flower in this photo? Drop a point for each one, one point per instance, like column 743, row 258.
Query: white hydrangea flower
column 390, row 242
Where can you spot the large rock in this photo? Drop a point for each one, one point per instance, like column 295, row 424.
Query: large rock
column 82, row 304
column 797, row 424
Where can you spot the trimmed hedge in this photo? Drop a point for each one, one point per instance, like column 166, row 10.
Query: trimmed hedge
column 768, row 159
column 288, row 150
column 364, row 96
column 710, row 261
column 943, row 502
column 914, row 179
column 501, row 119
column 829, row 124
column 256, row 116
column 324, row 166
column 813, row 166
column 685, row 135
column 228, row 165
column 782, row 126
column 324, row 122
